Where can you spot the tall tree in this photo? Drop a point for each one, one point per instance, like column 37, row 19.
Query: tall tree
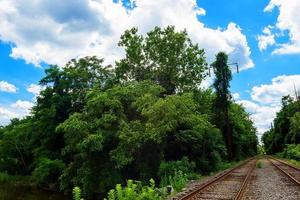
column 222, row 101
column 166, row 57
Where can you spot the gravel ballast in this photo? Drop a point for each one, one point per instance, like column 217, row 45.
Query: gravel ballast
column 268, row 183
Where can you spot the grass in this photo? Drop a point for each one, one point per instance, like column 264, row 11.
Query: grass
column 16, row 180
column 259, row 164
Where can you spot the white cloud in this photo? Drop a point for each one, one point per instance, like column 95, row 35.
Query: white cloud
column 288, row 20
column 22, row 105
column 18, row 109
column 265, row 40
column 266, row 100
column 261, row 115
column 236, row 96
column 56, row 31
column 272, row 93
column 6, row 116
column 7, row 87
column 34, row 89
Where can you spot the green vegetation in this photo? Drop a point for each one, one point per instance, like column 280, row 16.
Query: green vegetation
column 135, row 190
column 292, row 151
column 259, row 164
column 284, row 135
column 77, row 193
column 95, row 126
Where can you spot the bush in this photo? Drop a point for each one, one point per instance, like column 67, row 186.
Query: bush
column 292, row 151
column 77, row 193
column 168, row 169
column 259, row 164
column 178, row 181
column 135, row 191
column 48, row 171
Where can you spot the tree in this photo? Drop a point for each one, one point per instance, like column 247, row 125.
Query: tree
column 244, row 133
column 222, row 101
column 165, row 56
column 286, row 127
column 295, row 128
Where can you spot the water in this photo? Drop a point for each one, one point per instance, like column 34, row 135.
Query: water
column 10, row 192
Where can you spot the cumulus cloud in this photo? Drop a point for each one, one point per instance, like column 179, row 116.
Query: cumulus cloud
column 236, row 96
column 266, row 39
column 288, row 20
column 272, row 93
column 18, row 109
column 23, row 105
column 7, row 87
column 34, row 89
column 261, row 115
column 266, row 100
column 56, row 31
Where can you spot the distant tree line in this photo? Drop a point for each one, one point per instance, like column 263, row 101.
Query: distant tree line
column 285, row 129
column 94, row 125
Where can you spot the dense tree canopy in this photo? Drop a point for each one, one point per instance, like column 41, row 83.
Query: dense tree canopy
column 165, row 56
column 285, row 129
column 94, row 126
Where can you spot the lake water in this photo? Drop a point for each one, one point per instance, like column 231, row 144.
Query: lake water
column 8, row 192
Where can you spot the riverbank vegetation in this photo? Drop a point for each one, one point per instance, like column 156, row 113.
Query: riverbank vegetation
column 143, row 118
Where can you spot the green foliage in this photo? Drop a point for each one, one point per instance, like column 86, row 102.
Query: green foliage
column 15, row 179
column 295, row 128
column 286, row 128
column 261, row 150
column 167, row 168
column 76, row 193
column 48, row 171
column 222, row 100
column 94, row 126
column 164, row 56
column 259, row 164
column 178, row 180
column 135, row 191
column 292, row 151
column 244, row 133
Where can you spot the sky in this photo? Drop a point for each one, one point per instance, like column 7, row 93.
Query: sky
column 263, row 37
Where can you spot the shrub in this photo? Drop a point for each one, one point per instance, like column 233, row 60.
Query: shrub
column 48, row 171
column 134, row 191
column 259, row 164
column 178, row 181
column 292, row 151
column 77, row 193
column 168, row 169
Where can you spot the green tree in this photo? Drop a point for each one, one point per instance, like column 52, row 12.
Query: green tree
column 295, row 128
column 165, row 56
column 222, row 101
column 285, row 130
column 244, row 133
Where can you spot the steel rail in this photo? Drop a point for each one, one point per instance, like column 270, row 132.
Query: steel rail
column 285, row 163
column 243, row 187
column 284, row 172
column 220, row 178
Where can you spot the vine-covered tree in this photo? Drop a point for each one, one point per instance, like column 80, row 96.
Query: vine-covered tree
column 222, row 101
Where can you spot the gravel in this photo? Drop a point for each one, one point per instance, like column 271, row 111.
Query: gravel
column 268, row 183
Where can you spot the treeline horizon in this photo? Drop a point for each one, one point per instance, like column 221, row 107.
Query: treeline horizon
column 283, row 138
column 94, row 126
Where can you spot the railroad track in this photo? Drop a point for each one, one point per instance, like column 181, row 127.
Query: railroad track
column 229, row 185
column 289, row 170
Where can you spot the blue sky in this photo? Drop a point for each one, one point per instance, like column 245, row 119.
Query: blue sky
column 262, row 36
